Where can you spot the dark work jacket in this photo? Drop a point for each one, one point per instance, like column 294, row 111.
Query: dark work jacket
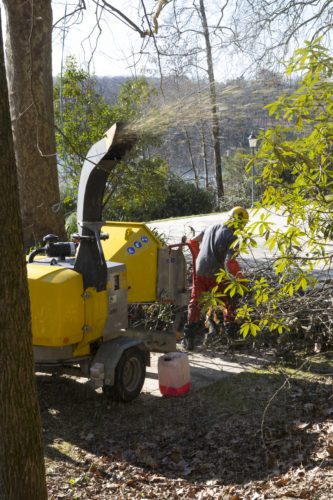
column 214, row 248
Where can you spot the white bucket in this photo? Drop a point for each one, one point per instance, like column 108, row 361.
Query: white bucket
column 174, row 374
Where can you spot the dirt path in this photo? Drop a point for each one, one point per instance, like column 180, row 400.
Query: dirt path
column 207, row 367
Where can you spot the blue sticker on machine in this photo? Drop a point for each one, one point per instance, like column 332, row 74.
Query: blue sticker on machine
column 137, row 244
column 131, row 250
column 144, row 239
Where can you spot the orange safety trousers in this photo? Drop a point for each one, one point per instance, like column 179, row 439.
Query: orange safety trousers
column 203, row 284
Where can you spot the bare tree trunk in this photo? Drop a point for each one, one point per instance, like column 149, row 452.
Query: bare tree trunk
column 22, row 473
column 212, row 93
column 188, row 143
column 29, row 71
column 204, row 154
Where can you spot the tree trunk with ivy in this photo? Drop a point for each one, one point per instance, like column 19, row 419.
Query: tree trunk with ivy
column 22, row 473
column 29, row 72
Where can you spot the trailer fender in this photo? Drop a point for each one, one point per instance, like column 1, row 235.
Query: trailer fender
column 103, row 366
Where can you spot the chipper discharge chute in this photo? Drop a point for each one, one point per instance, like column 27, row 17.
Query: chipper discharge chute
column 79, row 299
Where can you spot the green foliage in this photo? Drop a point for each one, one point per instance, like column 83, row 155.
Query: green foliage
column 229, row 201
column 82, row 118
column 135, row 188
column 160, row 236
column 68, row 203
column 176, row 198
column 156, row 316
column 296, row 164
column 71, row 224
column 237, row 181
column 184, row 198
column 297, row 175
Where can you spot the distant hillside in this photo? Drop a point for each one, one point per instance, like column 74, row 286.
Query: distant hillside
column 187, row 146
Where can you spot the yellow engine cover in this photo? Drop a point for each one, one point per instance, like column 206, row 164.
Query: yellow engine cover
column 57, row 305
column 133, row 244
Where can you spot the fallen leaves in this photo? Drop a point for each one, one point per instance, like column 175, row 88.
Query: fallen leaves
column 194, row 448
column 330, row 448
column 280, row 481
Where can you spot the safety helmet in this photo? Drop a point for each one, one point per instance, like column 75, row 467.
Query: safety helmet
column 240, row 213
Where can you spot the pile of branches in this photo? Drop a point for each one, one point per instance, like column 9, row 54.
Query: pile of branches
column 306, row 314
column 157, row 316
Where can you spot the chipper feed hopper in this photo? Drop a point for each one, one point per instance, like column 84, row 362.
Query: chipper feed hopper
column 80, row 294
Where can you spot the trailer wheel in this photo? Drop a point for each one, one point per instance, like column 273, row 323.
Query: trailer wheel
column 129, row 377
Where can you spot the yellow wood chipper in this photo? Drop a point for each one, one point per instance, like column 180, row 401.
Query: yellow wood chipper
column 80, row 290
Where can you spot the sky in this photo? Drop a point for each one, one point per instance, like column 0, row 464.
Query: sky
column 116, row 43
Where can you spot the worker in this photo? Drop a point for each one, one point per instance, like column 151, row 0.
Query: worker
column 215, row 248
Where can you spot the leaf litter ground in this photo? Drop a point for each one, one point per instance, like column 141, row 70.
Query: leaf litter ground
column 265, row 434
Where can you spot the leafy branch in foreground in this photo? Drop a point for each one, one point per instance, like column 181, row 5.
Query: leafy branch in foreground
column 296, row 165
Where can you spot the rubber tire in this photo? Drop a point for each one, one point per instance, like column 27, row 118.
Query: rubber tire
column 129, row 377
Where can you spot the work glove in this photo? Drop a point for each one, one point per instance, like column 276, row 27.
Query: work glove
column 195, row 247
column 234, row 269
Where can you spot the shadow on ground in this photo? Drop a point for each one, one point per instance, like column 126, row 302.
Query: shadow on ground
column 213, row 433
